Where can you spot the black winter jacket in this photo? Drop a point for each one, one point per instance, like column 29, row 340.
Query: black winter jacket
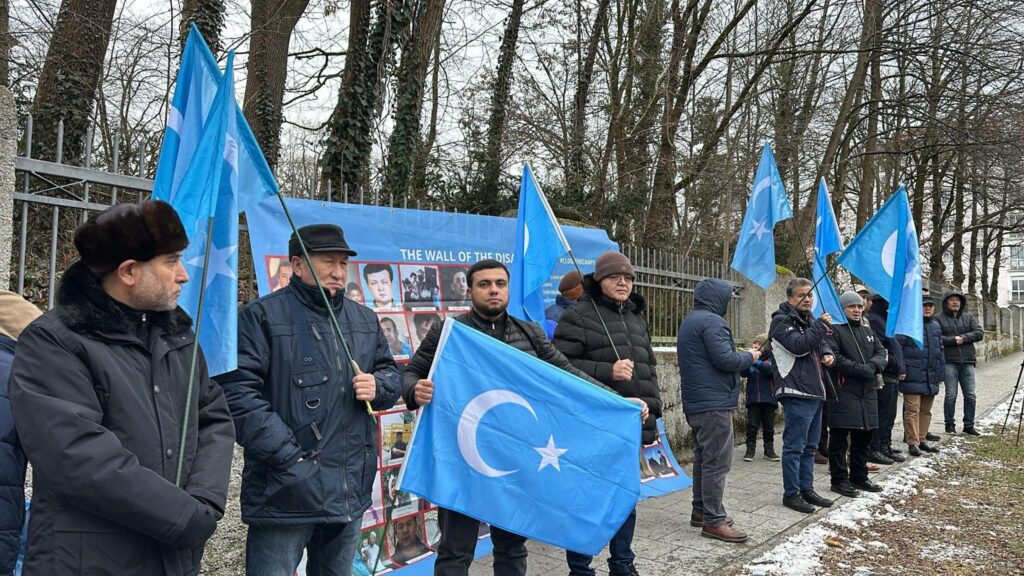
column 760, row 385
column 523, row 336
column 580, row 336
column 926, row 366
column 12, row 469
column 709, row 365
column 292, row 397
column 959, row 323
column 878, row 316
column 98, row 393
column 859, row 357
column 798, row 344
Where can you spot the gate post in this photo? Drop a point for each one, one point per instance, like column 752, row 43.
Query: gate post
column 8, row 150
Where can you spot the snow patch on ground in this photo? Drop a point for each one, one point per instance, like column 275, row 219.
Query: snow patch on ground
column 799, row 555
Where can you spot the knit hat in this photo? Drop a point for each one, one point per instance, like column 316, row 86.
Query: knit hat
column 850, row 298
column 612, row 262
column 129, row 232
column 570, row 281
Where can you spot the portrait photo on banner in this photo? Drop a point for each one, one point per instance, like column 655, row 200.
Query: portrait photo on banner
column 420, row 287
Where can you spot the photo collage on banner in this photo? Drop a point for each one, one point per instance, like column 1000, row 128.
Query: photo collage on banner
column 411, row 282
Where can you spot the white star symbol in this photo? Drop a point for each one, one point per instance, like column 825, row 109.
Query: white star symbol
column 549, row 455
column 218, row 263
column 759, row 229
column 911, row 276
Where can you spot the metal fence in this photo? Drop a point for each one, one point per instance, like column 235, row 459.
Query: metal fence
column 54, row 197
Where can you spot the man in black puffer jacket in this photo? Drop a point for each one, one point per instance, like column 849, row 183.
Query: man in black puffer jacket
column 960, row 330
column 488, row 291
column 882, row 451
column 854, row 411
column 709, row 378
column 625, row 364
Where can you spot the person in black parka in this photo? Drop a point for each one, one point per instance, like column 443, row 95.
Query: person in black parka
column 882, row 451
column 920, row 382
column 98, row 391
column 853, row 412
column 625, row 364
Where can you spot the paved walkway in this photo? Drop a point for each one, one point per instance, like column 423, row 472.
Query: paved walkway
column 665, row 544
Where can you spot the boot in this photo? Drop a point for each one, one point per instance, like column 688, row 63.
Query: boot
column 697, row 520
column 891, row 454
column 866, row 485
column 631, row 571
column 797, row 502
column 932, row 437
column 879, row 458
column 725, row 533
column 913, row 450
column 816, row 499
column 749, row 456
column 770, row 455
column 926, row 448
column 846, row 489
column 970, row 431
column 950, row 429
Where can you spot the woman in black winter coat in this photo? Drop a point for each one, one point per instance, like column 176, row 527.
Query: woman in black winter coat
column 625, row 364
column 920, row 384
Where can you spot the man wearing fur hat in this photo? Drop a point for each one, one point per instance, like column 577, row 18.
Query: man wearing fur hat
column 98, row 392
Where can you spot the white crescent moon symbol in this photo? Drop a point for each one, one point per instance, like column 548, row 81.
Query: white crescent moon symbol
column 889, row 254
column 470, row 420
column 760, row 187
column 526, row 238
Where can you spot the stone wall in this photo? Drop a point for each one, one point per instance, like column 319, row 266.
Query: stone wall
column 8, row 149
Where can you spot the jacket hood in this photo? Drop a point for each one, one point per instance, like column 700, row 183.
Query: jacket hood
column 592, row 291
column 879, row 305
column 83, row 306
column 954, row 294
column 713, row 295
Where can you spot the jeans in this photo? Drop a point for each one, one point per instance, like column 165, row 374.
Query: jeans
column 888, row 399
column 917, row 417
column 823, row 439
column 457, row 547
column 799, row 442
column 964, row 375
column 712, row 460
column 761, row 416
column 858, row 464
column 277, row 550
column 620, row 548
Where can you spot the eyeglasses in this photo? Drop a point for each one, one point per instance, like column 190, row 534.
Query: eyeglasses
column 620, row 278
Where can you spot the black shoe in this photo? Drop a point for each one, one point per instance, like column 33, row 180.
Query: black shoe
column 950, row 429
column 749, row 456
column 631, row 571
column 878, row 458
column 971, row 431
column 893, row 455
column 932, row 437
column 846, row 489
column 770, row 455
column 867, row 486
column 797, row 502
column 894, row 451
column 913, row 450
column 812, row 497
column 925, row 447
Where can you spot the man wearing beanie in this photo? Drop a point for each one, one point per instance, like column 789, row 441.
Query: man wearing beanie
column 98, row 392
column 620, row 358
column 853, row 412
column 569, row 291
column 709, row 374
column 300, row 411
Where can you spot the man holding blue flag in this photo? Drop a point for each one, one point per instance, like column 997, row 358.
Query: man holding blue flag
column 768, row 205
column 300, row 412
column 489, row 294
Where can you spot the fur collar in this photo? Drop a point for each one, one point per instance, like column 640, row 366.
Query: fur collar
column 83, row 306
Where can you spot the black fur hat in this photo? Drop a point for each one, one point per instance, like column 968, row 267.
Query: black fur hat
column 129, row 232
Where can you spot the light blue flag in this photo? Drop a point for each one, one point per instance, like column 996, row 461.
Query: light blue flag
column 539, row 245
column 885, row 256
column 194, row 93
column 517, row 443
column 768, row 205
column 826, row 241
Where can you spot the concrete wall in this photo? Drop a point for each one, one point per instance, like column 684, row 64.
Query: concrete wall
column 8, row 149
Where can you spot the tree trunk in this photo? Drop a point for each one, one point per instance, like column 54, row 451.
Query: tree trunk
column 272, row 24
column 405, row 138
column 208, row 16
column 419, row 172
column 71, row 75
column 485, row 196
column 575, row 187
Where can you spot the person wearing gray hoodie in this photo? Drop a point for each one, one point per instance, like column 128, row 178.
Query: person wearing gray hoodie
column 960, row 330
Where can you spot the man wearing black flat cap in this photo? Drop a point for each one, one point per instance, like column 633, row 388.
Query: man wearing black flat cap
column 300, row 412
column 98, row 392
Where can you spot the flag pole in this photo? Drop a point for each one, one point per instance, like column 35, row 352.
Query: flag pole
column 195, row 353
column 568, row 249
column 323, row 295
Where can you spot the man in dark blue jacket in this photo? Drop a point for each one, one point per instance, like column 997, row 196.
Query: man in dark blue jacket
column 798, row 352
column 709, row 374
column 300, row 413
column 882, row 451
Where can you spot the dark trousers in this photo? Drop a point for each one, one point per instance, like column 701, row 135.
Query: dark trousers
column 888, row 399
column 712, row 460
column 457, row 547
column 761, row 416
column 858, row 445
column 620, row 548
column 823, row 441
